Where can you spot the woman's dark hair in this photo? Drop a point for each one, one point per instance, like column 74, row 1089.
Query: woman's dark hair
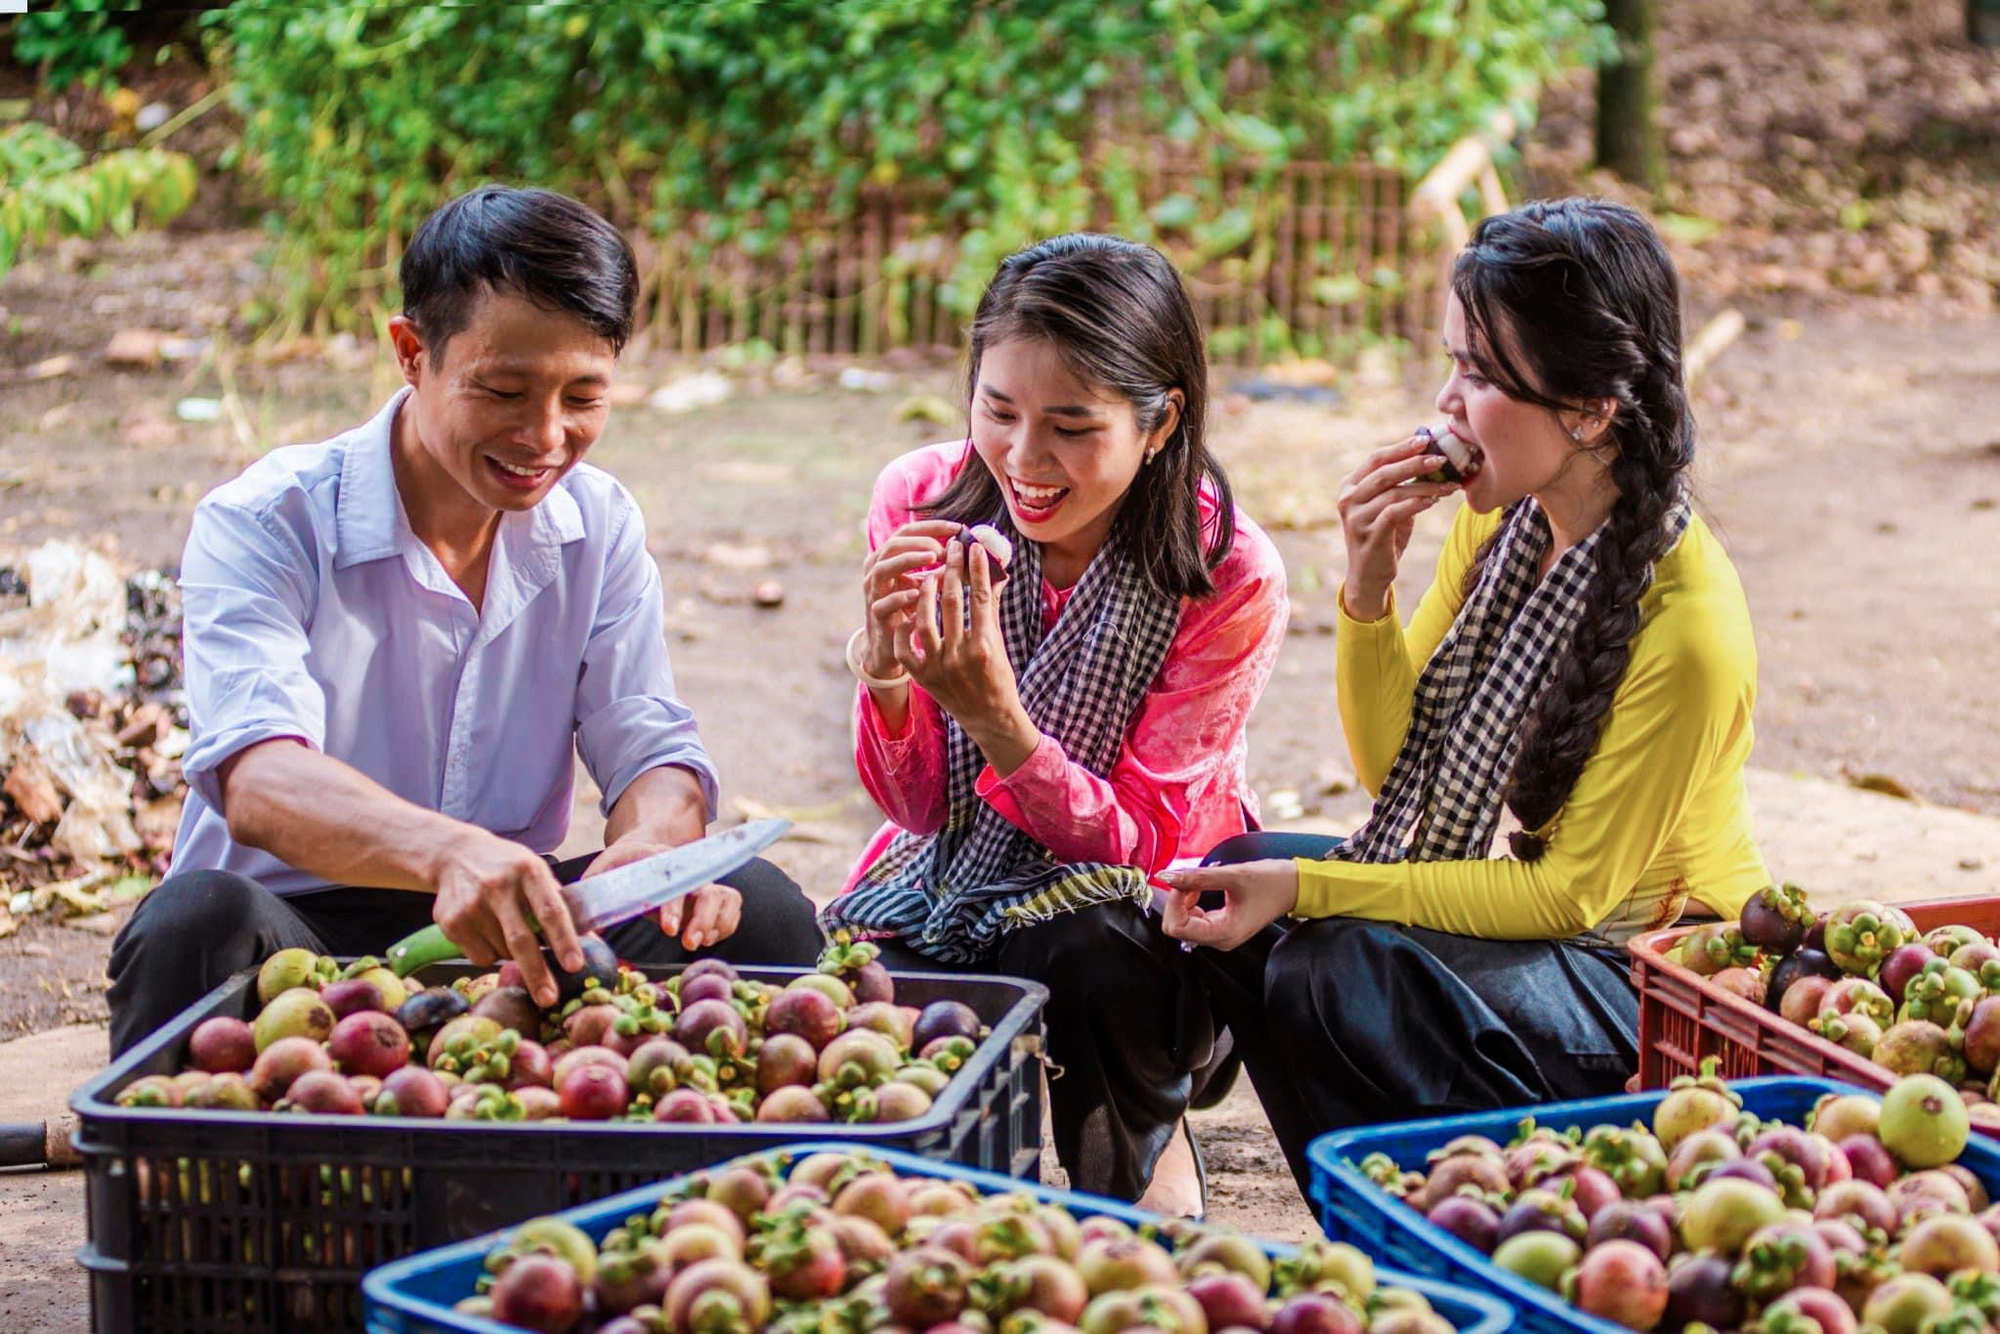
column 1568, row 303
column 552, row 250
column 1118, row 315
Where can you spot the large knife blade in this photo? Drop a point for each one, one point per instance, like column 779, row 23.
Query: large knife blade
column 624, row 892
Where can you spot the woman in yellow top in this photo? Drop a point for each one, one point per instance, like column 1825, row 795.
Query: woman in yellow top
column 1583, row 660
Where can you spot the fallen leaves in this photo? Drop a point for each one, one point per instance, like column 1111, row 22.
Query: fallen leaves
column 33, row 792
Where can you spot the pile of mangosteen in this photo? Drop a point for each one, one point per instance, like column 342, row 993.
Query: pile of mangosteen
column 1864, row 977
column 1715, row 1218
column 839, row 1241
column 704, row 1045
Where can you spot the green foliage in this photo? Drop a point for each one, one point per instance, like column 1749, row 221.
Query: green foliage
column 74, row 41
column 48, row 189
column 751, row 122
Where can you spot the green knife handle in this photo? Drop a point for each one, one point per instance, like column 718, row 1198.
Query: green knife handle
column 420, row 949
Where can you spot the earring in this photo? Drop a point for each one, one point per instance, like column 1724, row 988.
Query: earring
column 1576, row 433
column 1149, row 455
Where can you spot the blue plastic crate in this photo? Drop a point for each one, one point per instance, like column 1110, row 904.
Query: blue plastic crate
column 415, row 1296
column 1354, row 1209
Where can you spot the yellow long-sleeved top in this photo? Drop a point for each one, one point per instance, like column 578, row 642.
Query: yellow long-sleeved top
column 1659, row 813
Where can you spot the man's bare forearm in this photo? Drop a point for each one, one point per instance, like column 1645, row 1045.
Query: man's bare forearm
column 663, row 806
column 328, row 819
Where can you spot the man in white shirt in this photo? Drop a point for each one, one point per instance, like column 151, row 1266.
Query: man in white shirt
column 398, row 640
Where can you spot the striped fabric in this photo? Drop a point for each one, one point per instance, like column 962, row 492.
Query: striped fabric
column 952, row 893
column 1443, row 796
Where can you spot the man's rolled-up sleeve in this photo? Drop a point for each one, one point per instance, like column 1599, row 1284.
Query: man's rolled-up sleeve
column 628, row 718
column 247, row 595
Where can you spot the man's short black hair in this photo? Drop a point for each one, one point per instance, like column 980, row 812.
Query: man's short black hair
column 551, row 249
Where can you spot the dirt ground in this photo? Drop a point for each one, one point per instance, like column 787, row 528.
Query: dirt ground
column 1850, row 461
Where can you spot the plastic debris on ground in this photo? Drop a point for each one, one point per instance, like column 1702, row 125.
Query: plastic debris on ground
column 93, row 723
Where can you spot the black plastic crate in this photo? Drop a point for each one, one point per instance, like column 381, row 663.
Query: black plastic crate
column 203, row 1221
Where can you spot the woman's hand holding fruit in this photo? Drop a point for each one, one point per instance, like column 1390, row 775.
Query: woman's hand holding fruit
column 1379, row 504
column 891, row 583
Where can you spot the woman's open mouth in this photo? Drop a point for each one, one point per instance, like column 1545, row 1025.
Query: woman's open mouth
column 1461, row 459
column 1035, row 504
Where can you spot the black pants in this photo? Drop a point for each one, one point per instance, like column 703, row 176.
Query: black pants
column 1345, row 1022
column 195, row 930
column 1127, row 1027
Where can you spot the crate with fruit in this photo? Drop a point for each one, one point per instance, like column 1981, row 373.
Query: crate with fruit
column 827, row 1238
column 1865, row 992
column 705, row 1045
column 1761, row 1206
column 314, row 1118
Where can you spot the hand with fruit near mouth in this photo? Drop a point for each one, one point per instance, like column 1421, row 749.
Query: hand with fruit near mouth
column 961, row 661
column 1379, row 504
column 1254, row 894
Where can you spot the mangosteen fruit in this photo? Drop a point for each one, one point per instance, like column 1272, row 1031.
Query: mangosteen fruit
column 1924, row 1122
column 870, row 1056
column 1907, row 1303
column 1620, row 1281
column 283, row 1062
column 685, row 1105
column 593, row 1093
column 945, row 1019
column 707, row 986
column 899, row 1101
column 713, row 1028
column 1471, row 1220
column 926, row 1287
column 1723, row 1211
column 1538, row 1256
column 1315, row 1313
column 1943, row 1244
column 226, row 1091
column 351, row 995
column 412, row 1091
column 806, row 1012
column 792, row 1103
column 539, row 1292
column 368, row 1042
column 1699, row 1293
column 600, row 965
column 222, row 1043
column 286, row 970
column 511, row 1007
column 297, row 1013
column 324, row 1092
column 717, row 1294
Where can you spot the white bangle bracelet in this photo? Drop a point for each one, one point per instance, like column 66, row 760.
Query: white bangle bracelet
column 854, row 665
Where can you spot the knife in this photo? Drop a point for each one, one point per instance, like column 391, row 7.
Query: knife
column 624, row 892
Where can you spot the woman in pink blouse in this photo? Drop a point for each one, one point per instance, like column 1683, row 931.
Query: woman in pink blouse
column 1044, row 735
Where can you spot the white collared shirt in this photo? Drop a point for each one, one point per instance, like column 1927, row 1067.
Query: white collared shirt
column 313, row 611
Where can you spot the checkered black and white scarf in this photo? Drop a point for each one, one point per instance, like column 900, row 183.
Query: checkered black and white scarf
column 952, row 893
column 1443, row 796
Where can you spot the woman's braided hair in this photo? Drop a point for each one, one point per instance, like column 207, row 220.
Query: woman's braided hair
column 1568, row 303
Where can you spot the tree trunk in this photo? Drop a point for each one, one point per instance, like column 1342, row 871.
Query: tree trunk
column 1629, row 140
column 1982, row 22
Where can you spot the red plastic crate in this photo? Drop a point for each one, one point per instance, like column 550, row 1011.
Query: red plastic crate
column 1684, row 1018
